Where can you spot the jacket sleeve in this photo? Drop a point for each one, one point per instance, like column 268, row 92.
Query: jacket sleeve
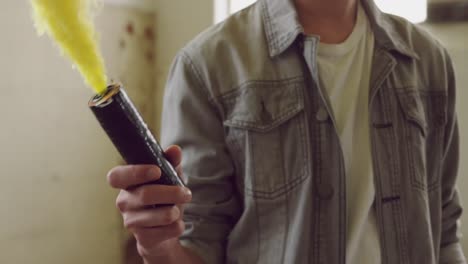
column 450, row 249
column 191, row 120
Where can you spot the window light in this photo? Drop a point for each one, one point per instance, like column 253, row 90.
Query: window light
column 413, row 10
column 236, row 5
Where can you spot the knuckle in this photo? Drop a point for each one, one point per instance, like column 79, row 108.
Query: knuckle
column 129, row 224
column 139, row 236
column 121, row 202
column 142, row 251
column 144, row 242
column 188, row 197
column 180, row 195
column 145, row 194
column 111, row 178
column 177, row 228
column 170, row 215
column 153, row 173
column 134, row 173
column 145, row 173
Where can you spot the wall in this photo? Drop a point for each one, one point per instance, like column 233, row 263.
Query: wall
column 55, row 203
column 56, row 206
column 455, row 36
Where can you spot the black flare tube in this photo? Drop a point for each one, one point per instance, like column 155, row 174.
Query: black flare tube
column 129, row 133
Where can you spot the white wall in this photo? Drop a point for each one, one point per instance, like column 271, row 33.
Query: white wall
column 55, row 204
column 455, row 37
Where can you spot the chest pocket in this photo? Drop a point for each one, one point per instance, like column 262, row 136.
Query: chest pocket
column 265, row 128
column 424, row 115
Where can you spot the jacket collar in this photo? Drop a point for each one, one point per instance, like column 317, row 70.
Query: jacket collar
column 282, row 27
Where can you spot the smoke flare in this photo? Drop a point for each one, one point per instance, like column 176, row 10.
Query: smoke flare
column 69, row 23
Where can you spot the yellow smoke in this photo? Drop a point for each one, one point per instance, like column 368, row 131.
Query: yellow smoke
column 69, row 22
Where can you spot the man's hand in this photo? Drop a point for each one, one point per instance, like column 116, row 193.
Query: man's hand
column 153, row 213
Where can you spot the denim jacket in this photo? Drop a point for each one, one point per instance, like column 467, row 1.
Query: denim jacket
column 263, row 158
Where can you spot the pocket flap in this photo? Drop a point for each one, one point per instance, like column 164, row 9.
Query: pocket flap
column 262, row 106
column 428, row 109
column 413, row 108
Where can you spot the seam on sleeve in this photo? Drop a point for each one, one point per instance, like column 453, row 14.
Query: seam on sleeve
column 201, row 84
column 187, row 59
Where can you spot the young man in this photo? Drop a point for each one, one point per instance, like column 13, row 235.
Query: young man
column 313, row 132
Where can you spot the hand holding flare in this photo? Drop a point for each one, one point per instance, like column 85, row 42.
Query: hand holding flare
column 155, row 219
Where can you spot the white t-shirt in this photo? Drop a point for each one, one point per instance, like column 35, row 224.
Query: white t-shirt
column 344, row 73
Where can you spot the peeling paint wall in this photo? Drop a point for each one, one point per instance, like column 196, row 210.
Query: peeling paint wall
column 55, row 204
column 128, row 36
column 132, row 38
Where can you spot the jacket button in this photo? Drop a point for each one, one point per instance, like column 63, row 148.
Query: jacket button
column 325, row 191
column 322, row 115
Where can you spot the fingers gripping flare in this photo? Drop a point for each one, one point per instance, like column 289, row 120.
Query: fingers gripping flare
column 128, row 176
column 152, row 212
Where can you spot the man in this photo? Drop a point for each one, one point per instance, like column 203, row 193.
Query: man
column 313, row 132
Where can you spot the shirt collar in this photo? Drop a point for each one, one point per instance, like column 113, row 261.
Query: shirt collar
column 282, row 27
